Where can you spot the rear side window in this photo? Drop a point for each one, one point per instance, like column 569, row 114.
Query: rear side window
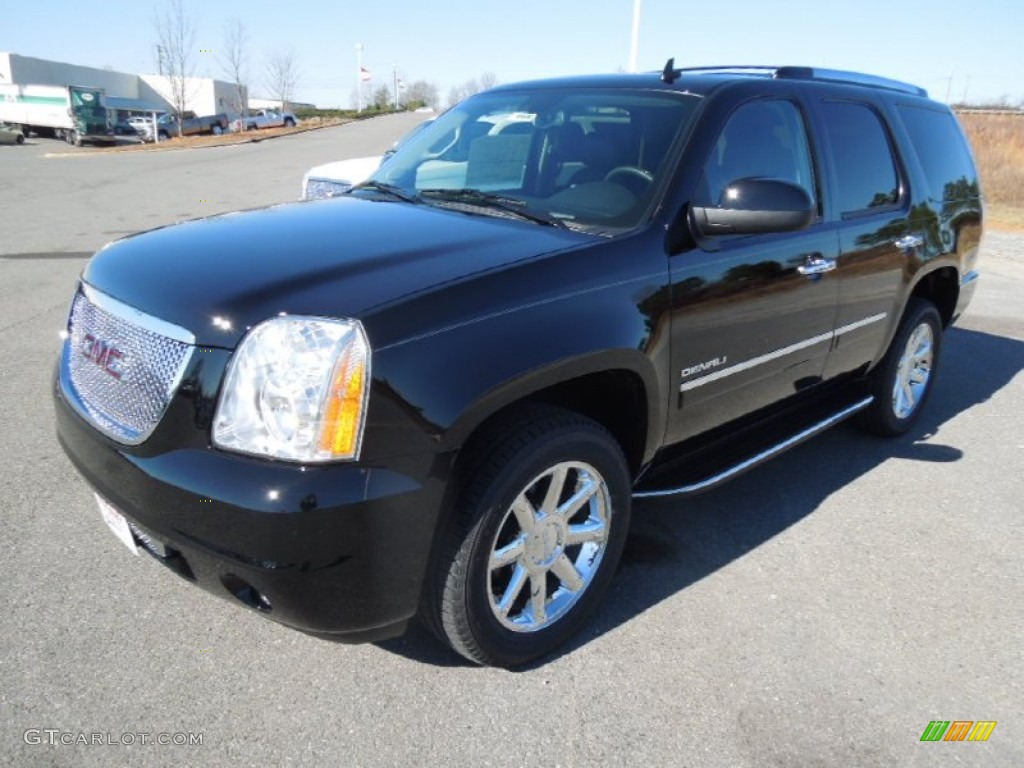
column 942, row 150
column 861, row 156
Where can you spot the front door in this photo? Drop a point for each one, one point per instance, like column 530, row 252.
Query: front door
column 752, row 316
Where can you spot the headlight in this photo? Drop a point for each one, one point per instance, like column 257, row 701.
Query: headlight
column 314, row 189
column 296, row 389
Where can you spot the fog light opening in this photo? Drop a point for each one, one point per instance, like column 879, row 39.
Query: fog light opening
column 246, row 593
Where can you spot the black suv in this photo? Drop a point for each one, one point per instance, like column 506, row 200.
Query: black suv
column 438, row 394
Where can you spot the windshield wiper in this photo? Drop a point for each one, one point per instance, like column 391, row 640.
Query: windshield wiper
column 512, row 205
column 388, row 189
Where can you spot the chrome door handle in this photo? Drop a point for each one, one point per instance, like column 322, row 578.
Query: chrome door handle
column 909, row 241
column 816, row 265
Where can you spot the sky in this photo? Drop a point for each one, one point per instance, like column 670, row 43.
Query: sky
column 953, row 49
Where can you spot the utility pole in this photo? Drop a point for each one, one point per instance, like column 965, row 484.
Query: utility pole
column 949, row 86
column 359, row 77
column 635, row 39
column 394, row 82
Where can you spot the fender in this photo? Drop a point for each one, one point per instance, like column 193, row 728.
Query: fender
column 522, row 387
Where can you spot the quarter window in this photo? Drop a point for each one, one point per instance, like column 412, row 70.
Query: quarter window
column 943, row 153
column 861, row 156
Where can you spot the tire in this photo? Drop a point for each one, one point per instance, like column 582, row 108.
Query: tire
column 217, row 130
column 904, row 379
column 164, row 136
column 20, row 139
column 289, row 123
column 510, row 542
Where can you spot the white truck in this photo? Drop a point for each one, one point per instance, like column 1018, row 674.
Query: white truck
column 74, row 113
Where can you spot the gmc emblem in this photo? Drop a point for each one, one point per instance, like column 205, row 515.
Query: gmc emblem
column 106, row 356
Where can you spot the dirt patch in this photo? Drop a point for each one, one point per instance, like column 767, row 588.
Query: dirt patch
column 1005, row 218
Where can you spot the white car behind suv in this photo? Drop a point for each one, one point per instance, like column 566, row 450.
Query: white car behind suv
column 335, row 178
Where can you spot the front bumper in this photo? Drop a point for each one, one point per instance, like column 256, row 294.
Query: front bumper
column 339, row 550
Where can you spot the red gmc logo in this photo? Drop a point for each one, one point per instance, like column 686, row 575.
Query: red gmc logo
column 106, row 356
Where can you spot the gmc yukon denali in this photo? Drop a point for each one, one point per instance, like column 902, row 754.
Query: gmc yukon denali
column 438, row 394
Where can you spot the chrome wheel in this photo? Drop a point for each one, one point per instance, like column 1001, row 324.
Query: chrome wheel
column 549, row 546
column 913, row 372
column 541, row 523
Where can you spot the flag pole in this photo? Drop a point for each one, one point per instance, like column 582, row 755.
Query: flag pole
column 359, row 77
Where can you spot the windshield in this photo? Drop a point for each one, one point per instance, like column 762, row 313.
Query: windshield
column 591, row 159
column 86, row 104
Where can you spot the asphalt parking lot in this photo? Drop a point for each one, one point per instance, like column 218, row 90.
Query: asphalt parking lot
column 819, row 611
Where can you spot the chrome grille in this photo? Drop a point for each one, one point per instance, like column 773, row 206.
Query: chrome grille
column 122, row 369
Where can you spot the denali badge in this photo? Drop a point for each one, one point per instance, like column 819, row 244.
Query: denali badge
column 706, row 366
column 106, row 356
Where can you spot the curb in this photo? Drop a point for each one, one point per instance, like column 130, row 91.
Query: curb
column 231, row 140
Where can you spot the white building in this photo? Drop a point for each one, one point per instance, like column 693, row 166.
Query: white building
column 256, row 102
column 125, row 92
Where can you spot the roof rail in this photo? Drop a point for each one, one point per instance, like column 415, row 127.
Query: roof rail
column 842, row 76
column 796, row 73
column 755, row 68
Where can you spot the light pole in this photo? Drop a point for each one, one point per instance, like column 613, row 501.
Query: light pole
column 634, row 41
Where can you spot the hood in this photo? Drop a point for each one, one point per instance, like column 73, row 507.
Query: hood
column 338, row 257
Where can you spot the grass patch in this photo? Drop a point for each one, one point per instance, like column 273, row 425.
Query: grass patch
column 998, row 143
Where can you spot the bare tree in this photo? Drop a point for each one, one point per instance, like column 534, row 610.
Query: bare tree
column 382, row 98
column 460, row 92
column 488, row 80
column 421, row 94
column 176, row 44
column 282, row 76
column 234, row 61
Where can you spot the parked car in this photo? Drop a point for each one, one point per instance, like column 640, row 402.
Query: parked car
column 141, row 125
column 331, row 179
column 126, row 129
column 269, row 118
column 191, row 125
column 11, row 135
column 438, row 394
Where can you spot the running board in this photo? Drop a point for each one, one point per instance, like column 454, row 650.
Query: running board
column 769, row 453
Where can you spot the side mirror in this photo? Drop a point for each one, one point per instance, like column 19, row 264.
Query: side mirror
column 755, row 206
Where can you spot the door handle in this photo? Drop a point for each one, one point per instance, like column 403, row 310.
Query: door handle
column 816, row 265
column 909, row 241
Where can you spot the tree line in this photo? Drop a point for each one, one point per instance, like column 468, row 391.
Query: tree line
column 176, row 50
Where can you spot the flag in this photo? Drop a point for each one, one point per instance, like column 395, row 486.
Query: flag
column 364, row 74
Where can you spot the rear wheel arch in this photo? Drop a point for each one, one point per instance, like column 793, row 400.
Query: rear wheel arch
column 941, row 287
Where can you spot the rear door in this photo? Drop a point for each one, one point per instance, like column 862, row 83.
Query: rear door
column 870, row 202
column 752, row 317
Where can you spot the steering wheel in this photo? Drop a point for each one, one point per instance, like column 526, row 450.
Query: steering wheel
column 632, row 178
